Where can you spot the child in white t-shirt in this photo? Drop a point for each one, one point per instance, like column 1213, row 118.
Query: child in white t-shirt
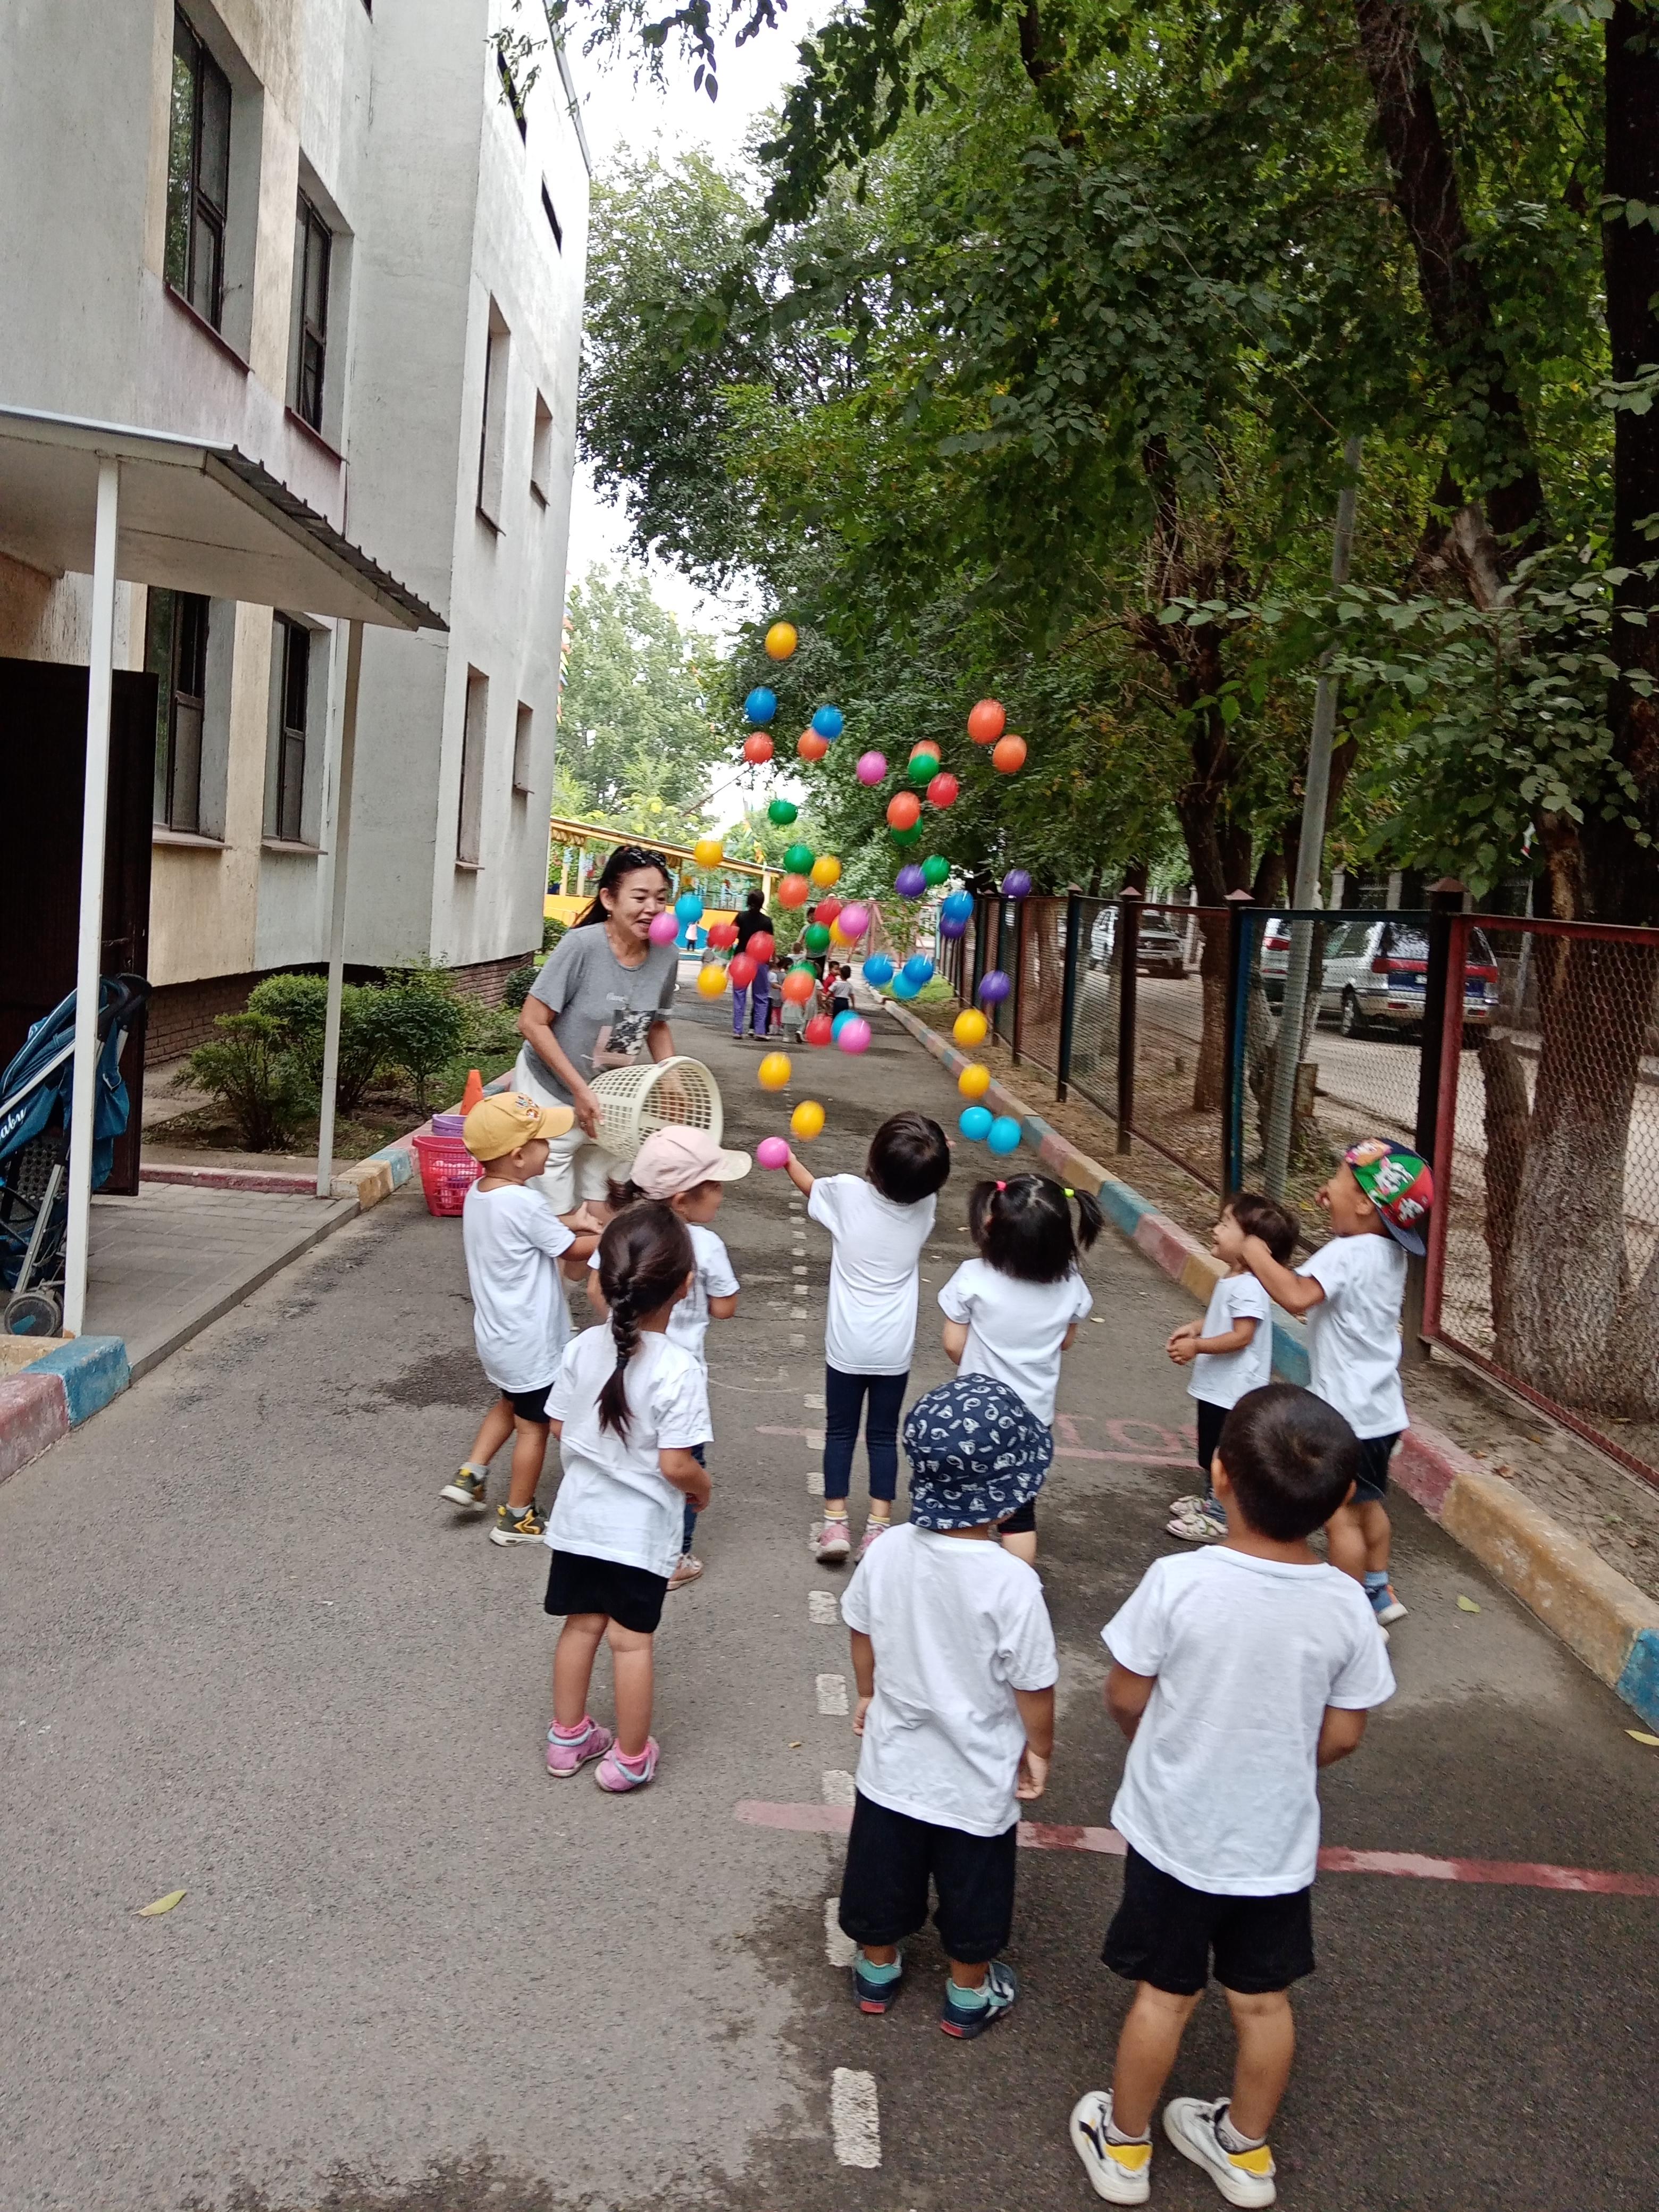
column 514, row 1242
column 879, row 1222
column 955, row 1662
column 630, row 1410
column 1237, row 1672
column 689, row 1171
column 1232, row 1350
column 1012, row 1311
column 1350, row 1294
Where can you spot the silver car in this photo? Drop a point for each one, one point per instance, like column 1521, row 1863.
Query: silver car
column 1376, row 972
column 1159, row 948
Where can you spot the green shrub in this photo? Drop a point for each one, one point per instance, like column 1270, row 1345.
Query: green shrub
column 425, row 1023
column 491, row 1030
column 250, row 1070
column 552, row 931
column 299, row 1005
column 516, row 989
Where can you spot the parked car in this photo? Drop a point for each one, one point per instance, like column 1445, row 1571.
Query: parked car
column 1376, row 972
column 1159, row 947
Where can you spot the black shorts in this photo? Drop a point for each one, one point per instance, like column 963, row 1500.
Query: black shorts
column 1022, row 1522
column 884, row 1891
column 1164, row 1933
column 1211, row 1419
column 1372, row 1484
column 529, row 1405
column 630, row 1596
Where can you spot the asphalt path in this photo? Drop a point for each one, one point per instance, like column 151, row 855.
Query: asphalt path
column 250, row 1655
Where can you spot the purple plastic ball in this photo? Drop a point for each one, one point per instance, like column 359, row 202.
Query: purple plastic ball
column 993, row 987
column 1016, row 884
column 953, row 924
column 909, row 883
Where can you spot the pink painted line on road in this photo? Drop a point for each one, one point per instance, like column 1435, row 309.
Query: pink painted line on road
column 1411, row 1866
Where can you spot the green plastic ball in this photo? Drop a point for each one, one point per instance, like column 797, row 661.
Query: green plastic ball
column 782, row 811
column 910, row 836
column 817, row 936
column 937, row 870
column 798, row 859
column 923, row 769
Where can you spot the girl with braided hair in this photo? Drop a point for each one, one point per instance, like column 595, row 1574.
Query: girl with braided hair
column 630, row 1410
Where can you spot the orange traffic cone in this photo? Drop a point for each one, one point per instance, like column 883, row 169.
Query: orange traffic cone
column 474, row 1091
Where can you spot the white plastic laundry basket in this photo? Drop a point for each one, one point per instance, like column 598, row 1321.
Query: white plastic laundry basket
column 658, row 1094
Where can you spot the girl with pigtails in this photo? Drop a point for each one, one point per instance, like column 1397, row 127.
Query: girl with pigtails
column 630, row 1410
column 1015, row 1309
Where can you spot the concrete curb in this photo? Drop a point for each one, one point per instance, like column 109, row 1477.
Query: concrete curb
column 393, row 1165
column 277, row 1182
column 58, row 1391
column 1601, row 1616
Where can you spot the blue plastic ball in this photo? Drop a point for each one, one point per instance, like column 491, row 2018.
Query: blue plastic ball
column 977, row 1123
column 904, row 986
column 878, row 970
column 761, row 705
column 840, row 1023
column 688, row 908
column 828, row 721
column 1004, row 1134
column 919, row 969
column 959, row 906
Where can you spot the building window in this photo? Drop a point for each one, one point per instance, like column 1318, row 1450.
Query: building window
column 287, row 812
column 510, row 94
column 312, row 246
column 198, row 174
column 553, row 222
column 492, row 427
column 175, row 654
column 541, row 452
column 470, row 819
column 523, row 732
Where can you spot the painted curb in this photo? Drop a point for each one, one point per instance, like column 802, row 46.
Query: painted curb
column 1601, row 1616
column 55, row 1393
column 369, row 1187
column 277, row 1182
column 93, row 1369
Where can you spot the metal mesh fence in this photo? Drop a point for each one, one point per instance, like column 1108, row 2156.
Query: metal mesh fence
column 1545, row 1260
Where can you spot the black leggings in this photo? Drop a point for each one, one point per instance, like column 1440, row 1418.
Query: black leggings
column 843, row 1404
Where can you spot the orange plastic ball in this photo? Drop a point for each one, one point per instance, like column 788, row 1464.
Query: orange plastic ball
column 1008, row 755
column 987, row 722
column 794, row 890
column 799, row 986
column 904, row 810
column 781, row 641
column 757, row 747
column 811, row 746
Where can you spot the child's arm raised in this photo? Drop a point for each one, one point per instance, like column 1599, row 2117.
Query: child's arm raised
column 1036, row 1718
column 803, row 1178
column 1126, row 1697
column 1297, row 1294
column 682, row 1470
column 1338, row 1733
column 864, row 1674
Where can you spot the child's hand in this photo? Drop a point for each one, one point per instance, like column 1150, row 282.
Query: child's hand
column 1182, row 1346
column 1033, row 1777
column 699, row 1492
column 858, row 1712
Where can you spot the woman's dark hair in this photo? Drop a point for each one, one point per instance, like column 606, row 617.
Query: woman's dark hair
column 645, row 1255
column 909, row 1158
column 625, row 860
column 1023, row 1227
column 754, row 902
column 1290, row 1458
column 1275, row 1225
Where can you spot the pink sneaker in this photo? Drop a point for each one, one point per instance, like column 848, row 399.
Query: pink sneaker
column 830, row 1540
column 873, row 1530
column 617, row 1774
column 566, row 1753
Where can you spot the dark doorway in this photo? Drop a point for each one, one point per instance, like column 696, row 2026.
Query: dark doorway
column 43, row 741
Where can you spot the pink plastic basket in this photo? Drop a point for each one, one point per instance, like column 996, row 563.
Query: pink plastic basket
column 448, row 1171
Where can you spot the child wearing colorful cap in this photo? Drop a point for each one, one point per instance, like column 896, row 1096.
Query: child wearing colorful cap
column 1350, row 1293
column 955, row 1662
column 514, row 1243
column 689, row 1171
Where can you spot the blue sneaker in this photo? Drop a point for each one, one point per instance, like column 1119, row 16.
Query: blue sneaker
column 875, row 1996
column 1384, row 1604
column 967, row 2020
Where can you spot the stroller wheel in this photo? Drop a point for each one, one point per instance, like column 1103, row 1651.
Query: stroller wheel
column 32, row 1313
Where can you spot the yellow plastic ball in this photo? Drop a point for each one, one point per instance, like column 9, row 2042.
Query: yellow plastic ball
column 708, row 852
column 782, row 641
column 838, row 936
column 970, row 1027
column 826, row 870
column 774, row 1071
column 711, row 980
column 806, row 1121
column 974, row 1081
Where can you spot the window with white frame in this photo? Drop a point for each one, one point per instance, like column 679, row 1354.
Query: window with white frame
column 469, row 825
column 492, row 423
column 523, row 737
column 198, row 174
column 313, row 247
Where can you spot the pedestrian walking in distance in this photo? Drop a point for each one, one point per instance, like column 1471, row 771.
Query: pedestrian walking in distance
column 1238, row 1671
column 752, row 999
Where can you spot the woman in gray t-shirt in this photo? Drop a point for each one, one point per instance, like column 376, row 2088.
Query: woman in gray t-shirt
column 601, row 1000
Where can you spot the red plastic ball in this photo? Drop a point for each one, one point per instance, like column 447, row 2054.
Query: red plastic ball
column 757, row 747
column 794, row 890
column 722, row 934
column 811, row 746
column 826, row 910
column 820, row 1028
column 987, row 722
column 942, row 791
column 742, row 971
column 904, row 810
column 762, row 945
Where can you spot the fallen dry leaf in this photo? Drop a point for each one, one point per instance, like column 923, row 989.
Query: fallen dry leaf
column 161, row 1904
column 1640, row 1735
column 795, row 1744
column 1467, row 1604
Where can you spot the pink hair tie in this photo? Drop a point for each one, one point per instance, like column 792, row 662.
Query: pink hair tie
column 1002, row 1185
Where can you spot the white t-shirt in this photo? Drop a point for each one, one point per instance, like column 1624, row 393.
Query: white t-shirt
column 1221, row 1378
column 1353, row 1333
column 614, row 1502
column 959, row 1625
column 1219, row 1788
column 870, row 1328
column 521, row 1318
column 1015, row 1329
column 688, row 1320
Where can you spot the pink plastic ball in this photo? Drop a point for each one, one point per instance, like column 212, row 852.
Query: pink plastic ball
column 870, row 768
column 664, row 927
column 772, row 1152
column 854, row 920
column 854, row 1035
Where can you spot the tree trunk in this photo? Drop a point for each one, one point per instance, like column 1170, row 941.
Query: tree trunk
column 1507, row 1113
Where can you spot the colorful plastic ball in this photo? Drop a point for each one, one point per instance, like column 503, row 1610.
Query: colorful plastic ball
column 1016, row 884
column 878, row 970
column 772, row 1152
column 951, row 925
column 665, row 928
column 854, row 1034
column 911, row 881
column 708, row 852
column 1008, row 756
column 970, row 1027
column 1004, row 1134
column 782, row 811
column 794, row 889
column 722, row 935
column 799, row 985
column 757, row 748
column 798, row 859
column 761, row 705
column 994, row 985
column 689, row 907
column 773, row 1071
column 974, row 1122
column 806, row 1121
column 935, row 870
column 819, row 1029
column 904, row 811
column 910, row 836
column 919, row 969
column 922, row 767
column 811, row 746
column 870, row 768
column 854, row 920
column 827, row 911
column 987, row 722
column 826, row 870
column 840, row 1021
column 959, row 906
column 830, row 722
column 762, row 945
column 711, row 980
column 943, row 790
column 905, row 987
column 782, row 641
column 742, row 971
column 974, row 1081
column 817, row 936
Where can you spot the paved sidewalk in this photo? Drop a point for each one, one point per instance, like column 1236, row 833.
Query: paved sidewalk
column 251, row 1656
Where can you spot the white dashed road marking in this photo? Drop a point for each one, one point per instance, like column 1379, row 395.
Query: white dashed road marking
column 813, row 1401
column 822, row 1608
column 832, row 1695
column 815, row 1482
column 837, row 1787
column 855, row 2117
column 838, row 1948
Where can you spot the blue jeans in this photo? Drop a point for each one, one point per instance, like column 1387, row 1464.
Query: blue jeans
column 697, row 1451
column 843, row 1403
column 757, row 995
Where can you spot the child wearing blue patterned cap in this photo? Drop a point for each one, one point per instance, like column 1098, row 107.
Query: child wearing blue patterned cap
column 955, row 1662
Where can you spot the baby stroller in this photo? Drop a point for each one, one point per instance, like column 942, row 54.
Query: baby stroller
column 34, row 1141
